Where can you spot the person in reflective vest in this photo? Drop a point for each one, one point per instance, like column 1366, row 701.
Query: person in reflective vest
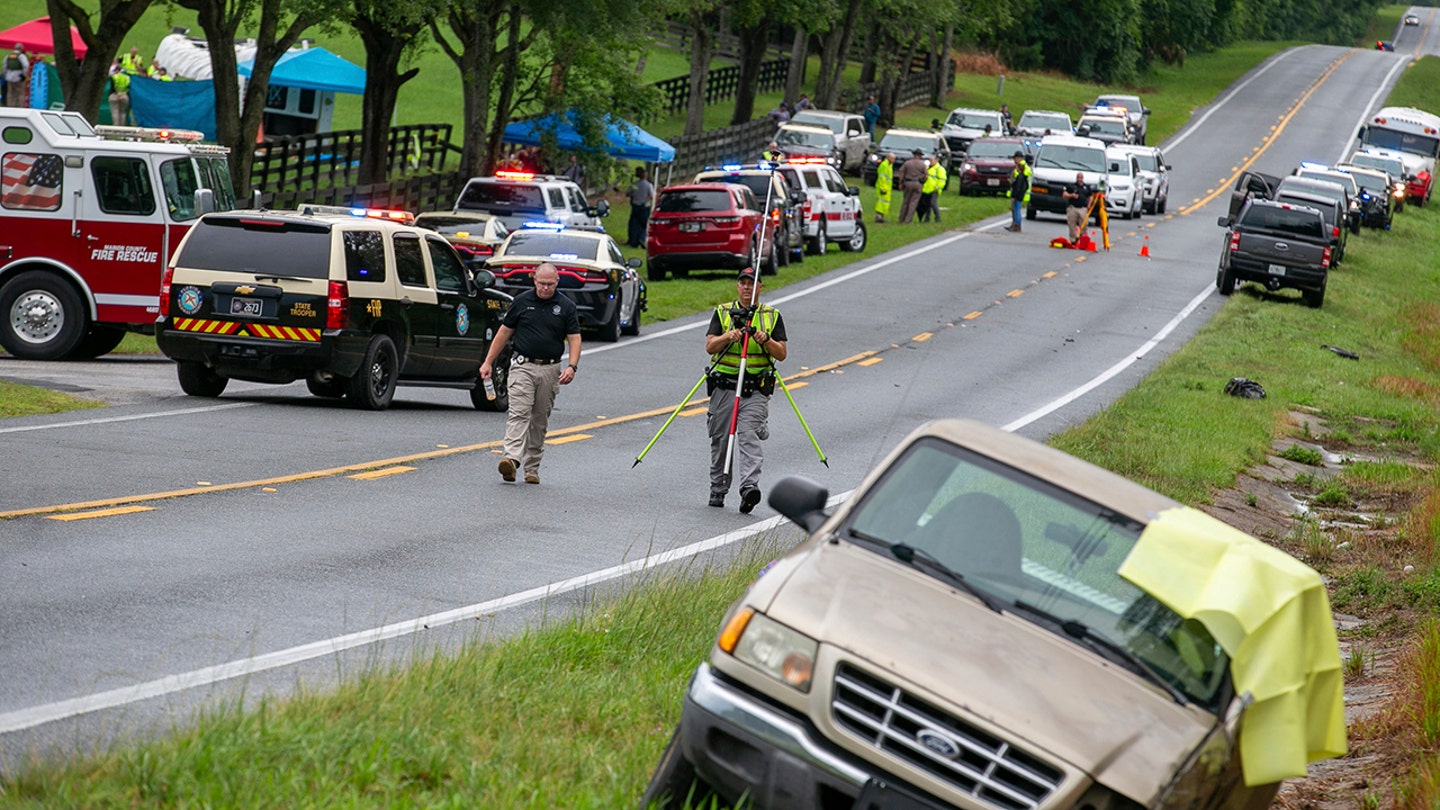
column 772, row 153
column 935, row 177
column 133, row 62
column 884, row 184
column 725, row 338
column 1019, row 191
column 119, row 99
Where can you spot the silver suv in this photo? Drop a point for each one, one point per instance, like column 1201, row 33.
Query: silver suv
column 852, row 137
column 521, row 197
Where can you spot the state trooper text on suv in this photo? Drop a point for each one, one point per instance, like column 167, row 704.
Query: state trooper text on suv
column 350, row 303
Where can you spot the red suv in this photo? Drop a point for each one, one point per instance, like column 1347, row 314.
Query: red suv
column 707, row 226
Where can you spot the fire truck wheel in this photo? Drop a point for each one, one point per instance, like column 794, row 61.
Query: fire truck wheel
column 197, row 380
column 373, row 385
column 101, row 340
column 43, row 317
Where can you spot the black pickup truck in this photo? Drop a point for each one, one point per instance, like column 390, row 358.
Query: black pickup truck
column 1278, row 246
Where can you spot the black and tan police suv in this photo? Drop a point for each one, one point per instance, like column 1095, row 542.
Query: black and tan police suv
column 352, row 301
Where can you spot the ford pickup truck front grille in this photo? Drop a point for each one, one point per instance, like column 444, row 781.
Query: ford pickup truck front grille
column 927, row 737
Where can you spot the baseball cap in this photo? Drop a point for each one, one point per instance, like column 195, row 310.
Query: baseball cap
column 1018, row 154
column 749, row 273
column 917, row 153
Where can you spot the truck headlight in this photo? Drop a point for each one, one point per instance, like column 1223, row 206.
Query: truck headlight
column 770, row 647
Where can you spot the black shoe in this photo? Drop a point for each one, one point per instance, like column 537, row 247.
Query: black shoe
column 717, row 499
column 749, row 496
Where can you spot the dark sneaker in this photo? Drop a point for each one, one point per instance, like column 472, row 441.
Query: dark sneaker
column 717, row 500
column 507, row 469
column 749, row 496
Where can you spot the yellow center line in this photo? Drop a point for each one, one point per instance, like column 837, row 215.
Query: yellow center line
column 99, row 513
column 872, row 361
column 696, row 411
column 1227, row 183
column 574, row 437
column 972, row 316
column 922, row 337
column 388, row 471
column 1014, row 293
column 1051, row 274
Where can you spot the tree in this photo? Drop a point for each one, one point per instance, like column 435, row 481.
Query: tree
column 387, row 29
column 83, row 84
column 237, row 121
column 703, row 20
column 834, row 45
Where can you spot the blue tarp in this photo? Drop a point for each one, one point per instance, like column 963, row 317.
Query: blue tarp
column 181, row 105
column 626, row 141
column 314, row 69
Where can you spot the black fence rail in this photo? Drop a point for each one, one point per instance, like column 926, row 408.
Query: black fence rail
column 739, row 143
column 914, row 89
column 722, row 84
column 332, row 159
column 422, row 192
column 727, row 45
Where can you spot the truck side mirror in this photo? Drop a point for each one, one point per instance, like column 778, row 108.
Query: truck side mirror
column 204, row 201
column 1223, row 222
column 801, row 500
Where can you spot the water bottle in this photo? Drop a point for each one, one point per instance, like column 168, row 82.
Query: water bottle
column 489, row 388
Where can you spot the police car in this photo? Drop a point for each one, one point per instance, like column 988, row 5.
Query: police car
column 518, row 197
column 353, row 301
column 608, row 293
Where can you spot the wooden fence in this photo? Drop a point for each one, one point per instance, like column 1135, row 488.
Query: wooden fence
column 739, row 143
column 422, row 192
column 332, row 159
column 722, row 84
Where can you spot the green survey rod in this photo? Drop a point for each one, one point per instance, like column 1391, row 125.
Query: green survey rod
column 813, row 443
column 675, row 413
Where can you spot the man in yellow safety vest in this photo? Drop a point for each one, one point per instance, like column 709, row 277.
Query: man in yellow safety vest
column 884, row 185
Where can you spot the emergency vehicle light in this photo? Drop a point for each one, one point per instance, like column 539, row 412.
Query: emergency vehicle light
column 565, row 256
column 806, row 160
column 731, row 167
column 511, row 174
column 543, row 225
column 1310, row 164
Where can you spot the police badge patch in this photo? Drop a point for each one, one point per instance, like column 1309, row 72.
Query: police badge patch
column 189, row 300
column 555, row 310
column 462, row 320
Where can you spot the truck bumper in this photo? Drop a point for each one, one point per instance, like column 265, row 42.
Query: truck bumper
column 741, row 744
column 261, row 360
column 1295, row 278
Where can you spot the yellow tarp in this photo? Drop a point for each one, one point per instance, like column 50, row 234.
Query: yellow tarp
column 1271, row 614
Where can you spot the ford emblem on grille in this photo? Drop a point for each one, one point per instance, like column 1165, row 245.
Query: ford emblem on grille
column 1281, row 246
column 938, row 743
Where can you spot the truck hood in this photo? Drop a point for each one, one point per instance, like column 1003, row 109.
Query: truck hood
column 1021, row 682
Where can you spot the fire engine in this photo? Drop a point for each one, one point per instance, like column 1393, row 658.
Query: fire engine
column 88, row 219
column 1411, row 135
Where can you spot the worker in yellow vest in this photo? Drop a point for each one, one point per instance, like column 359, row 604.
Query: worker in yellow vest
column 935, row 177
column 884, row 185
column 133, row 63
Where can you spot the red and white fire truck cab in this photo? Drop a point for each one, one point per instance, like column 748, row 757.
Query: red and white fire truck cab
column 88, row 220
column 1411, row 135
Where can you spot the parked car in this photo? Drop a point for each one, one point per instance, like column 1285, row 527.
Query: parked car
column 1124, row 196
column 1388, row 162
column 832, row 210
column 1330, row 207
column 787, row 215
column 1277, row 245
column 519, row 197
column 707, row 226
column 902, row 142
column 965, row 124
column 1107, row 127
column 852, row 137
column 1321, row 172
column 810, row 141
column 1154, row 176
column 1039, row 123
column 989, row 623
column 986, row 168
column 474, row 236
column 608, row 293
column 1377, row 196
column 1137, row 113
column 354, row 305
column 1368, row 177
column 1060, row 159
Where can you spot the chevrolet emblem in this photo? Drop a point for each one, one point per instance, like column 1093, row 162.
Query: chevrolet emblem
column 244, row 289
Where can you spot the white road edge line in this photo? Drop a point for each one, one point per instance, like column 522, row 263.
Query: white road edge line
column 131, row 418
column 60, row 710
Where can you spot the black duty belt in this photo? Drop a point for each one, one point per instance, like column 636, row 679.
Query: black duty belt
column 521, row 360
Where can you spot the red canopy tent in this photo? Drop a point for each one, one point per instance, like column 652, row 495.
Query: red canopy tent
column 35, row 36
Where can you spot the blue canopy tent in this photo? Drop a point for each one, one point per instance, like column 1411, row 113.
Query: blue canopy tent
column 625, row 141
column 313, row 69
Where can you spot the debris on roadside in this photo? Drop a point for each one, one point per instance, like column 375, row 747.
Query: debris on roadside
column 1246, row 389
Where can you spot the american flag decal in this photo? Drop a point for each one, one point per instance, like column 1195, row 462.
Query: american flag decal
column 31, row 181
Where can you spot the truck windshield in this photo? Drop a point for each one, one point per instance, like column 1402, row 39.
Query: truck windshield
column 258, row 246
column 500, row 195
column 1078, row 158
column 1401, row 141
column 972, row 120
column 1023, row 540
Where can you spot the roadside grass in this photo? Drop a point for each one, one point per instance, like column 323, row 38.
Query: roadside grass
column 568, row 714
column 25, row 400
column 1383, row 25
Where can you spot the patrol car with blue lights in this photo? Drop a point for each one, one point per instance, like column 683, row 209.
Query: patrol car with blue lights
column 352, row 301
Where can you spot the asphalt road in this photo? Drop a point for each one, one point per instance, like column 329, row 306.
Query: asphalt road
column 270, row 561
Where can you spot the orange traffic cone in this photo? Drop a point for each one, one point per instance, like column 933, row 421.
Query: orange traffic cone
column 1145, row 248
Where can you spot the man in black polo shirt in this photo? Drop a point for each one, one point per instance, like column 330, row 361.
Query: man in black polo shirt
column 542, row 323
column 1077, row 205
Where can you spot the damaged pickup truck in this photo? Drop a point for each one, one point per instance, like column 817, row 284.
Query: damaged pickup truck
column 991, row 624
